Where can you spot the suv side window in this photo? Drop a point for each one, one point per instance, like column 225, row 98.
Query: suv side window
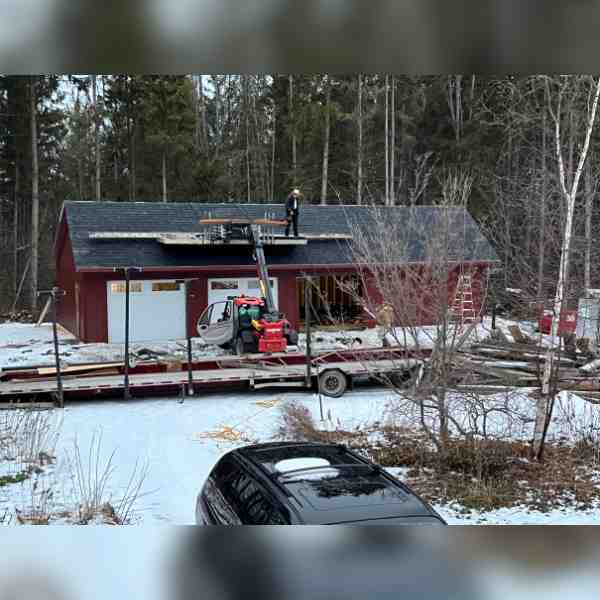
column 245, row 496
column 255, row 507
column 216, row 496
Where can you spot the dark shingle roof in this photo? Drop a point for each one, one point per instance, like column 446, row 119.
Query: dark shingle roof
column 84, row 218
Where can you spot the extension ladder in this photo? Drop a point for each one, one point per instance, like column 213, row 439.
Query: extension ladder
column 463, row 307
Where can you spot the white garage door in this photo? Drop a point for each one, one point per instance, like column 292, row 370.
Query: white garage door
column 221, row 289
column 156, row 311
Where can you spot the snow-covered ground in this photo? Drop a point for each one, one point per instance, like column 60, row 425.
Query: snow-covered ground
column 26, row 345
column 180, row 442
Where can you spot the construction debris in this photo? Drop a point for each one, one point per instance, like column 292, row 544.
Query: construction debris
column 495, row 365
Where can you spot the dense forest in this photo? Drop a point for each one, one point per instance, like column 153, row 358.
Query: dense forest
column 352, row 139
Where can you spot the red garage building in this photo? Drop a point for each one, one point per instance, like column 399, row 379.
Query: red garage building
column 164, row 242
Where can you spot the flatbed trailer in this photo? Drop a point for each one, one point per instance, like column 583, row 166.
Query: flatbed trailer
column 330, row 372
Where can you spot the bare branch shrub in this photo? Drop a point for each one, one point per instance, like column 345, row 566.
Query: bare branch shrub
column 91, row 478
column 414, row 265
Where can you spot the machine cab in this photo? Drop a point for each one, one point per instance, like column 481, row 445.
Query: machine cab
column 216, row 325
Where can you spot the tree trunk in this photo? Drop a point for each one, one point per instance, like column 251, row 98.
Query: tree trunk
column 542, row 240
column 164, row 176
column 324, row 181
column 35, row 199
column 293, row 127
column 96, row 136
column 196, row 101
column 455, row 104
column 589, row 204
column 247, row 111
column 393, row 144
column 16, row 228
column 273, row 141
column 387, row 143
column 544, row 412
column 134, row 164
column 203, row 125
column 359, row 159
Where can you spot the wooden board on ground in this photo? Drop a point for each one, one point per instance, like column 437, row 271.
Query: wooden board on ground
column 79, row 368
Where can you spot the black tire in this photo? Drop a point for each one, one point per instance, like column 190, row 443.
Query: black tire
column 333, row 383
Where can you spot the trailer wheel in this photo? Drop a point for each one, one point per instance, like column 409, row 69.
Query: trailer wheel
column 333, row 383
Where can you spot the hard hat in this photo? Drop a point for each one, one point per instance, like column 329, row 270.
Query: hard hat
column 296, row 191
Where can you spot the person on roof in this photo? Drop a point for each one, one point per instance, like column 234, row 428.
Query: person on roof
column 292, row 209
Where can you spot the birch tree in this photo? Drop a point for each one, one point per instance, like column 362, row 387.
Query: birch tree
column 545, row 403
column 293, row 130
column 386, row 200
column 393, row 143
column 359, row 158
column 326, row 143
column 96, row 135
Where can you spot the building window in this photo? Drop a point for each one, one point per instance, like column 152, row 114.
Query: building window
column 165, row 286
column 253, row 284
column 135, row 287
column 223, row 285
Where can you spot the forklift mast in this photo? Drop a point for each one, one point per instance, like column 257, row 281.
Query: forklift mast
column 262, row 270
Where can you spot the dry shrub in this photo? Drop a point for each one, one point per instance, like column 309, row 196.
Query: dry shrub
column 28, row 436
column 297, row 424
column 491, row 474
column 91, row 477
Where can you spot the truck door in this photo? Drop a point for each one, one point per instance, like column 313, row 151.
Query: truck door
column 215, row 326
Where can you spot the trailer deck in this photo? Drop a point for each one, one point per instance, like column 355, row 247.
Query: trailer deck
column 254, row 371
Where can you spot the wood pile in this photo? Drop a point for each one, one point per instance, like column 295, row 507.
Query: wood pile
column 502, row 364
column 22, row 316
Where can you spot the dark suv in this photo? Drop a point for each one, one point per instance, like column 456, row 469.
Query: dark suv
column 306, row 484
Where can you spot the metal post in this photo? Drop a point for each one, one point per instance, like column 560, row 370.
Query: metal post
column 54, row 294
column 320, row 396
column 189, row 339
column 59, row 386
column 307, row 315
column 126, row 392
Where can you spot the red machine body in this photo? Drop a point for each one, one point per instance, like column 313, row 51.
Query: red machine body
column 272, row 336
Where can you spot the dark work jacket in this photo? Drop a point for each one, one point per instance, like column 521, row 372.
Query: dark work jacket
column 289, row 204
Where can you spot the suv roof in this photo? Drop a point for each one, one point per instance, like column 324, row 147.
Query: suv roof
column 328, row 484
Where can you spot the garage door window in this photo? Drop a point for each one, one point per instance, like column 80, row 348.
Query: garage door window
column 223, row 285
column 254, row 285
column 135, row 287
column 165, row 286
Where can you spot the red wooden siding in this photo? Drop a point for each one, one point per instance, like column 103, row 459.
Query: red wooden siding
column 94, row 307
column 421, row 302
column 196, row 302
column 66, row 278
column 92, row 301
